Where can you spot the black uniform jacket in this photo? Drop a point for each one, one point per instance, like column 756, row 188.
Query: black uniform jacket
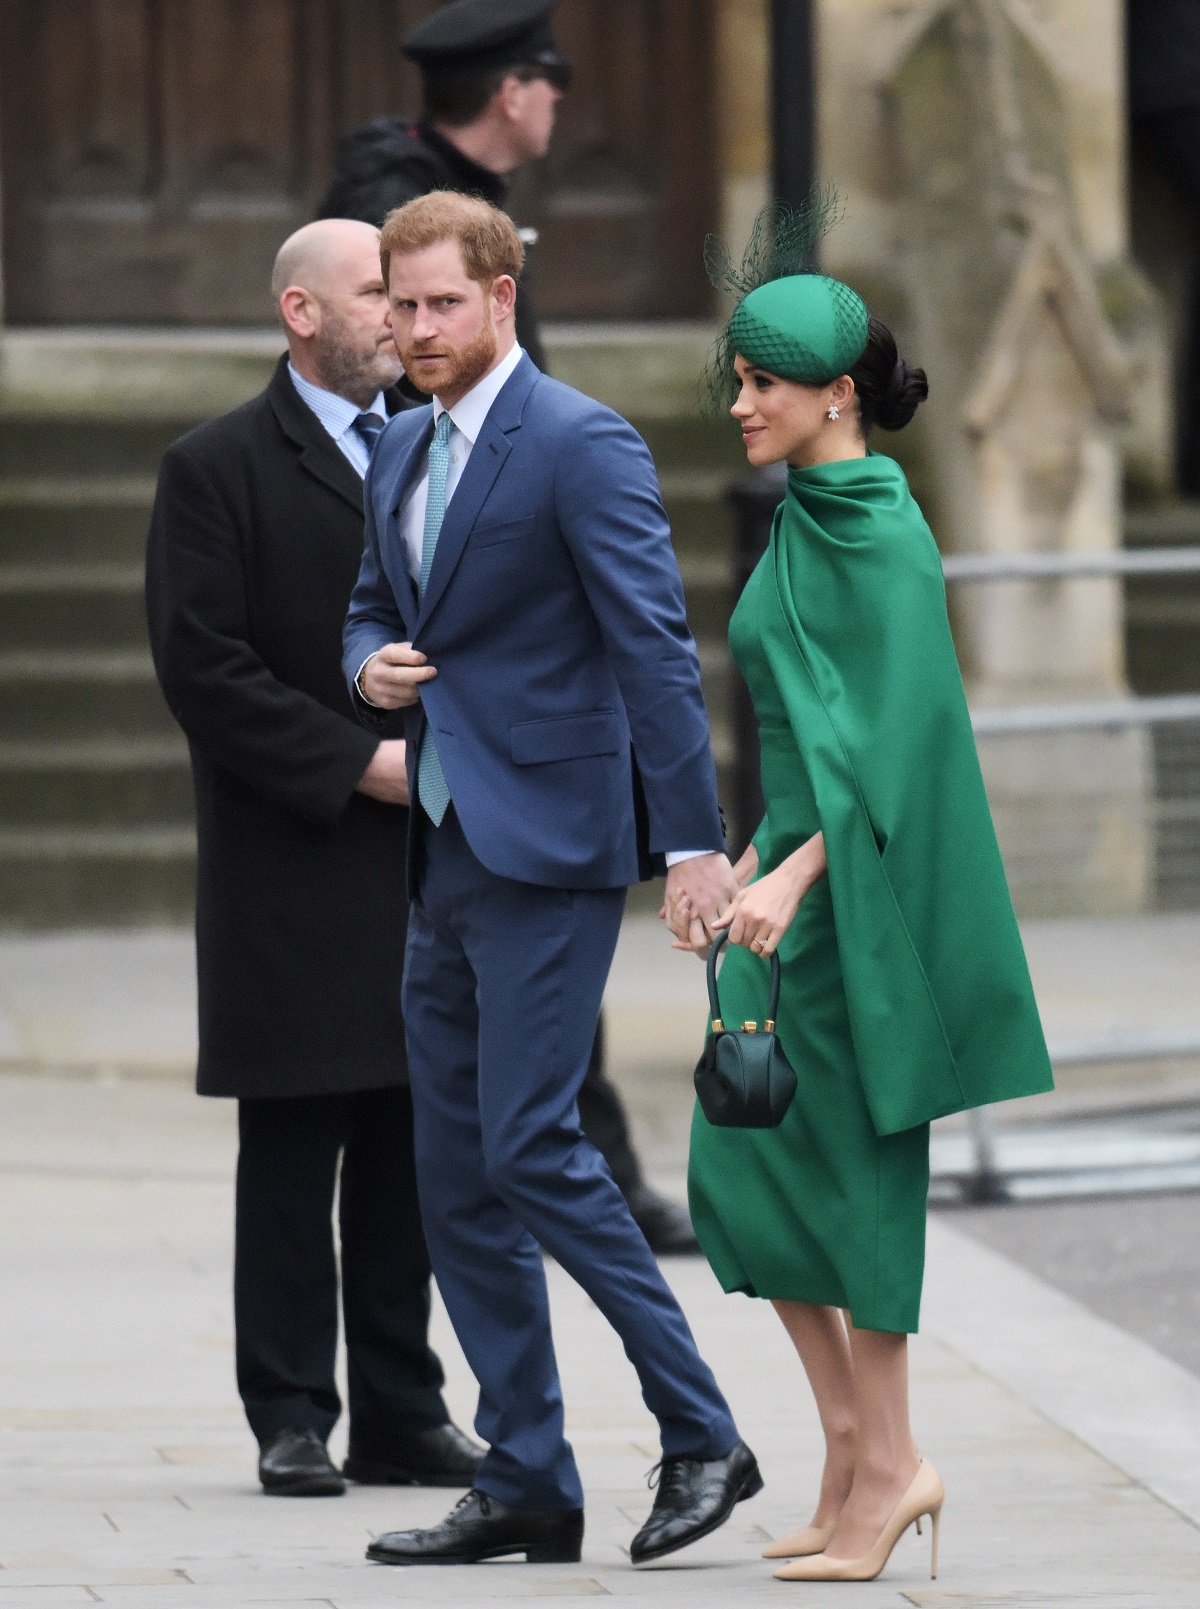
column 254, row 546
column 393, row 160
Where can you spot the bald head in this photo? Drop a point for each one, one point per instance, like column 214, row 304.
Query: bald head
column 329, row 290
column 322, row 253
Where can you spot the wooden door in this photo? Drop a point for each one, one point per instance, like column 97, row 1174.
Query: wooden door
column 628, row 192
column 153, row 153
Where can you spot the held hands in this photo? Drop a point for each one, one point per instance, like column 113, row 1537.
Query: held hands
column 697, row 891
column 391, row 679
column 386, row 778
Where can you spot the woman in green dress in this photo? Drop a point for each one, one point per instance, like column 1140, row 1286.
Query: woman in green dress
column 876, row 877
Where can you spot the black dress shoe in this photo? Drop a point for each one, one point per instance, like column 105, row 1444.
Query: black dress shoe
column 295, row 1463
column 695, row 1496
column 666, row 1225
column 482, row 1527
column 440, row 1455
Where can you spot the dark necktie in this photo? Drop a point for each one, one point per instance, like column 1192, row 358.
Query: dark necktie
column 369, row 426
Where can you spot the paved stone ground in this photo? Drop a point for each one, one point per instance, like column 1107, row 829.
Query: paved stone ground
column 1070, row 1449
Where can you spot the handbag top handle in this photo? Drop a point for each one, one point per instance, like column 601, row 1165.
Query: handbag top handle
column 714, row 1000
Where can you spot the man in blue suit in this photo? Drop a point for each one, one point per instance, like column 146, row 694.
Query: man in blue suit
column 520, row 598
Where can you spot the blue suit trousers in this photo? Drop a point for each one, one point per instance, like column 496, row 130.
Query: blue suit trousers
column 502, row 991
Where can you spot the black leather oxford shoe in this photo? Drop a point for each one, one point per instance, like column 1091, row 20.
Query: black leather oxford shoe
column 481, row 1527
column 440, row 1455
column 295, row 1463
column 694, row 1497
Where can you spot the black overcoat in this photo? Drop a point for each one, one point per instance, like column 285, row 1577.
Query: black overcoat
column 254, row 546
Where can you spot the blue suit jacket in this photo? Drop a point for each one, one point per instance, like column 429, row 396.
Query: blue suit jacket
column 554, row 616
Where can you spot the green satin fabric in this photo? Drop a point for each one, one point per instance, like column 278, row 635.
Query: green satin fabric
column 905, row 989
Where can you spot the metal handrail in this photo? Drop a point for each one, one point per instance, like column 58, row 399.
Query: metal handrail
column 1013, row 720
column 1070, row 566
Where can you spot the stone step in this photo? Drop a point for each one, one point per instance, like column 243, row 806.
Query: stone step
column 70, row 877
column 46, row 606
column 76, row 519
column 140, row 782
column 98, row 518
column 71, row 696
column 38, row 445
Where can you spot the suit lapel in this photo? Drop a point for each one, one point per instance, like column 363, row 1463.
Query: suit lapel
column 319, row 455
column 409, row 467
column 485, row 463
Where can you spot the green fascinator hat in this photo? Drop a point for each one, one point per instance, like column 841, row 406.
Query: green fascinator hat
column 789, row 319
column 804, row 327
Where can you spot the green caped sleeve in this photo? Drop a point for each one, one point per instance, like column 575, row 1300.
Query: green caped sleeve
column 941, row 1006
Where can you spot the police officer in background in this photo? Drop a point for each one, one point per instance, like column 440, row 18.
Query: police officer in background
column 492, row 77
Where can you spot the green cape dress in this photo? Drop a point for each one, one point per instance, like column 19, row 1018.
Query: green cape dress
column 905, row 989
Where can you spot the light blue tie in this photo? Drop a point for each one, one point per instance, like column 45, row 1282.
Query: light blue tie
column 431, row 782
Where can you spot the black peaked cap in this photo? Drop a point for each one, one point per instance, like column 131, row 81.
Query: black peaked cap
column 479, row 35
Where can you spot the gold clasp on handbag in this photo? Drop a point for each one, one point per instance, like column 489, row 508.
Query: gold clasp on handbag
column 749, row 1027
column 718, row 1026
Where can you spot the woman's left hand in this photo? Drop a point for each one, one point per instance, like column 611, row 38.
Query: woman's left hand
column 761, row 913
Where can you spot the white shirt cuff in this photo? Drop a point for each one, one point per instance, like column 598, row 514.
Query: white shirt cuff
column 358, row 682
column 674, row 856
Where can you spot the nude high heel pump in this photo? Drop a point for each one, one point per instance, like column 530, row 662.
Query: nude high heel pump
column 925, row 1495
column 800, row 1544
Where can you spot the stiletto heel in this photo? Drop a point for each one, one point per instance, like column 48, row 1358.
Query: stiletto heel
column 925, row 1495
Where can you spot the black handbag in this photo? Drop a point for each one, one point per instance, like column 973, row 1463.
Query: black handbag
column 743, row 1080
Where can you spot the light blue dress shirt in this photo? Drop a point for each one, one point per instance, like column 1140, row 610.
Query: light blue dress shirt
column 338, row 416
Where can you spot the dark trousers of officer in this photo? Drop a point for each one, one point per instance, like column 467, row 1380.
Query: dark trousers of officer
column 286, row 1269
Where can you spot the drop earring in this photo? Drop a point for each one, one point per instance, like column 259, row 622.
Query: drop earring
column 833, row 413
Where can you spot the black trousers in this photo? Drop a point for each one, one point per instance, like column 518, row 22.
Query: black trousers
column 286, row 1276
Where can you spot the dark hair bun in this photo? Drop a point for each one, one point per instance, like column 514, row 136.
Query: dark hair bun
column 906, row 390
column 888, row 390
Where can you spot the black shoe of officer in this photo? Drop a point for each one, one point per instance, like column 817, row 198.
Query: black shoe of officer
column 694, row 1497
column 295, row 1463
column 482, row 1527
column 665, row 1224
column 437, row 1455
